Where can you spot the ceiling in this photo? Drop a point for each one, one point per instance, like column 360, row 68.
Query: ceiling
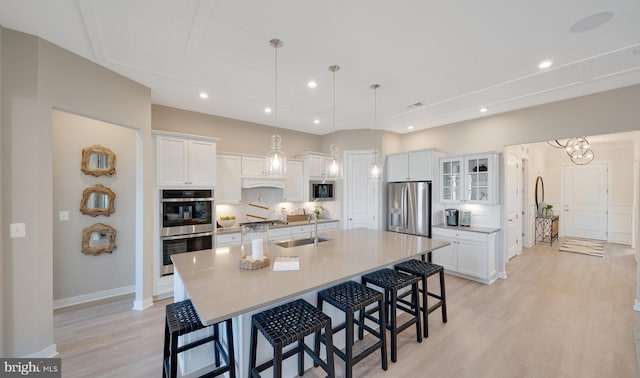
column 453, row 58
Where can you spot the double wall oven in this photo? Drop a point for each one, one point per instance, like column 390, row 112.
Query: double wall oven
column 187, row 223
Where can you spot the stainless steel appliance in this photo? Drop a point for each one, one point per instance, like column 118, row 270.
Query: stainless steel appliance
column 410, row 207
column 451, row 216
column 321, row 190
column 187, row 223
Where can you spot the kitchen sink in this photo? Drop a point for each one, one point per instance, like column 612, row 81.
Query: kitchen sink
column 299, row 242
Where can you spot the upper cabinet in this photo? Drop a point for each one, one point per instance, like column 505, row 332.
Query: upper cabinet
column 185, row 160
column 254, row 166
column 412, row 166
column 294, row 181
column 316, row 164
column 469, row 178
column 228, row 170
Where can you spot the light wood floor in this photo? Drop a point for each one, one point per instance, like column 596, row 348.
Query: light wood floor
column 557, row 315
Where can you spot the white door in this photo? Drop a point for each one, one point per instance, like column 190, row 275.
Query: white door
column 585, row 201
column 361, row 193
column 513, row 192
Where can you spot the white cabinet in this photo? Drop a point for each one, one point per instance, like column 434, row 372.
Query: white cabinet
column 254, row 166
column 279, row 234
column 228, row 239
column 469, row 178
column 327, row 226
column 303, row 231
column 411, row 166
column 228, row 171
column 470, row 255
column 294, row 181
column 317, row 164
column 185, row 161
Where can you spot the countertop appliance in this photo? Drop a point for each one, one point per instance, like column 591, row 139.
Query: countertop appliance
column 451, row 216
column 320, row 190
column 465, row 218
column 410, row 207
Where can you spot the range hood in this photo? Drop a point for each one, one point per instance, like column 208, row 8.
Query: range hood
column 262, row 182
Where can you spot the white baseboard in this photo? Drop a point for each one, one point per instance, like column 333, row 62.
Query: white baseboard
column 636, row 306
column 48, row 352
column 502, row 275
column 90, row 297
column 143, row 304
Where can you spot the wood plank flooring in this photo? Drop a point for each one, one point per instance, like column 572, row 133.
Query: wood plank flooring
column 556, row 315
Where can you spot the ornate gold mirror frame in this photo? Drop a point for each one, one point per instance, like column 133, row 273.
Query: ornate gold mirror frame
column 98, row 161
column 97, row 200
column 98, row 238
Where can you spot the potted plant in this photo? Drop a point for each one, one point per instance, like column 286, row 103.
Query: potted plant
column 547, row 212
column 318, row 210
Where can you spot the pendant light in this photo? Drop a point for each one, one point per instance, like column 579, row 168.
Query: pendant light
column 276, row 158
column 375, row 168
column 334, row 168
column 578, row 149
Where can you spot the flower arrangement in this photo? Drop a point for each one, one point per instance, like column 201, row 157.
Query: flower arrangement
column 318, row 210
column 547, row 212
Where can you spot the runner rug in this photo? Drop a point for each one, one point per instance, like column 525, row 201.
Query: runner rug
column 583, row 246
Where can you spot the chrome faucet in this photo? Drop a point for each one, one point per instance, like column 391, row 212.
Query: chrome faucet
column 315, row 221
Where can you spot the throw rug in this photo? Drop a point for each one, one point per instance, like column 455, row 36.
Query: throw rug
column 583, row 246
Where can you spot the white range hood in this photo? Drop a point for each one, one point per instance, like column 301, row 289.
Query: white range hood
column 262, row 182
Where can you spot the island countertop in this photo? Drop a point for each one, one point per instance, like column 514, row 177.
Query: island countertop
column 219, row 289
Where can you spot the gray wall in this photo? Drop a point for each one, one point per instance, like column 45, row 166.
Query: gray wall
column 74, row 273
column 36, row 78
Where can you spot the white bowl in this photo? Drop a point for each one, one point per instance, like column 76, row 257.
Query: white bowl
column 227, row 223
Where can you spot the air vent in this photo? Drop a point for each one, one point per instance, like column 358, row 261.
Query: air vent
column 415, row 105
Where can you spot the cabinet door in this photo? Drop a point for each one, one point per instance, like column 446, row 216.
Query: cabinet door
column 420, row 167
column 253, row 166
column 472, row 258
column 202, row 163
column 229, row 183
column 477, row 175
column 227, row 240
column 317, row 165
column 451, row 180
column 294, row 181
column 397, row 167
column 447, row 256
column 171, row 161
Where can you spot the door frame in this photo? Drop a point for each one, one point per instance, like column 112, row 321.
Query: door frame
column 607, row 163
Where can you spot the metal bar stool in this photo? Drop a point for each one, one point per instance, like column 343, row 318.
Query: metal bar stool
column 392, row 281
column 424, row 270
column 351, row 297
column 284, row 325
column 181, row 319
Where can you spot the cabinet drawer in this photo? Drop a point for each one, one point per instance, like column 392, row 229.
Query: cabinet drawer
column 329, row 226
column 472, row 236
column 279, row 234
column 302, row 229
column 228, row 239
column 444, row 233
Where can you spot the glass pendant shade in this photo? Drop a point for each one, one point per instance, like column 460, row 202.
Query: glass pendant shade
column 276, row 159
column 334, row 166
column 375, row 168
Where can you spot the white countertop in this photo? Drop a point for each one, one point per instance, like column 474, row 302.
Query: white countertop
column 219, row 289
column 484, row 230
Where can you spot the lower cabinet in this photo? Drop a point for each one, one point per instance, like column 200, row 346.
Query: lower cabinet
column 279, row 234
column 470, row 255
column 228, row 239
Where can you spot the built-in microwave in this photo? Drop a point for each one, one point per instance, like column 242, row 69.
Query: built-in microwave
column 321, row 190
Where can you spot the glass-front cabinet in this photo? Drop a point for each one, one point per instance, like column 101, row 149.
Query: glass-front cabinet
column 469, row 178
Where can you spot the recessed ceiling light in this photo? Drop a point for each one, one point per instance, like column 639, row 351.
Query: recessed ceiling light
column 410, row 127
column 204, row 95
column 267, row 110
column 545, row 64
column 483, row 110
column 312, row 84
column 316, row 121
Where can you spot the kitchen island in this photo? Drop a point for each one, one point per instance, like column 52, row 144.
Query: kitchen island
column 219, row 289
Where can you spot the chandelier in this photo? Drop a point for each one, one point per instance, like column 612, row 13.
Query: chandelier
column 578, row 149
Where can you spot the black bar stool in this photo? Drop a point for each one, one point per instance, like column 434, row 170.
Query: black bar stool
column 424, row 270
column 392, row 281
column 351, row 297
column 284, row 325
column 181, row 319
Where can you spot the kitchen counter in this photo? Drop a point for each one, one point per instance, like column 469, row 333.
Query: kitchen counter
column 236, row 227
column 219, row 289
column 484, row 230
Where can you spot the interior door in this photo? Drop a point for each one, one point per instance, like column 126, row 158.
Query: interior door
column 361, row 192
column 513, row 189
column 585, row 201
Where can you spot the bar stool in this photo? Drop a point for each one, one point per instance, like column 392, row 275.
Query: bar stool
column 182, row 319
column 392, row 281
column 424, row 270
column 284, row 325
column 351, row 297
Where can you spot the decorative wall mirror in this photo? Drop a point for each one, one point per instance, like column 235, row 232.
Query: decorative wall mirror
column 97, row 200
column 539, row 191
column 97, row 239
column 98, row 160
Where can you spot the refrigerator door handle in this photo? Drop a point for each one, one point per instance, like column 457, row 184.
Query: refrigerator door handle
column 405, row 208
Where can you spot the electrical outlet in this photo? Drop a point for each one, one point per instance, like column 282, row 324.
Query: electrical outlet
column 63, row 216
column 17, row 230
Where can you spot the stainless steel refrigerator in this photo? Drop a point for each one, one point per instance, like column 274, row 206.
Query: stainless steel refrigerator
column 410, row 207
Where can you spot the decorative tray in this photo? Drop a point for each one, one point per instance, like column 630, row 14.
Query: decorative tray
column 248, row 263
